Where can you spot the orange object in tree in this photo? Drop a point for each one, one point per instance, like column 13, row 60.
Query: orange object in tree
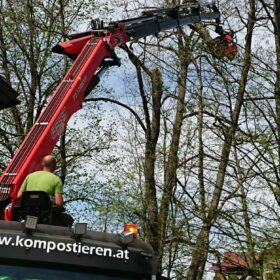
column 223, row 46
column 231, row 47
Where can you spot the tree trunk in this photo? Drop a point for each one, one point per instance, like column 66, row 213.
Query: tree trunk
column 277, row 83
column 172, row 160
column 200, row 250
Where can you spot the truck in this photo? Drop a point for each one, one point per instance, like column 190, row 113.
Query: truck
column 32, row 249
column 45, row 252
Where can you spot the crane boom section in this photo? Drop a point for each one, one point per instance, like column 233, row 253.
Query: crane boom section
column 50, row 125
column 150, row 23
column 93, row 51
column 155, row 21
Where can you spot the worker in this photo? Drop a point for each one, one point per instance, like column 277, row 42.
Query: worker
column 231, row 47
column 45, row 180
column 223, row 46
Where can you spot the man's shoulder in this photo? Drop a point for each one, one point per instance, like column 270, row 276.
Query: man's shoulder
column 38, row 173
column 33, row 174
column 43, row 173
column 54, row 177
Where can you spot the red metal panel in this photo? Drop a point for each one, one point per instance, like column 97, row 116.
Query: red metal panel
column 72, row 47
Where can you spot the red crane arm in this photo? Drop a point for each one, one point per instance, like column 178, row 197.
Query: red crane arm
column 91, row 51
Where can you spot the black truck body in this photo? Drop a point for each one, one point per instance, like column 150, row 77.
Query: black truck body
column 52, row 252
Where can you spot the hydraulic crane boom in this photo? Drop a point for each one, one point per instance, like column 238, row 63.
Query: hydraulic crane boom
column 93, row 52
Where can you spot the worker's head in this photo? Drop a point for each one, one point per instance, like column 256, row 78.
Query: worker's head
column 49, row 163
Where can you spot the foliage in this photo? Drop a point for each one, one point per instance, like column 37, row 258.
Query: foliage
column 198, row 168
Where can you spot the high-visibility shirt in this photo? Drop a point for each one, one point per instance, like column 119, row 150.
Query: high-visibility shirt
column 43, row 181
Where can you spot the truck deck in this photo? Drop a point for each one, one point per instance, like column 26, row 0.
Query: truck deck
column 56, row 247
